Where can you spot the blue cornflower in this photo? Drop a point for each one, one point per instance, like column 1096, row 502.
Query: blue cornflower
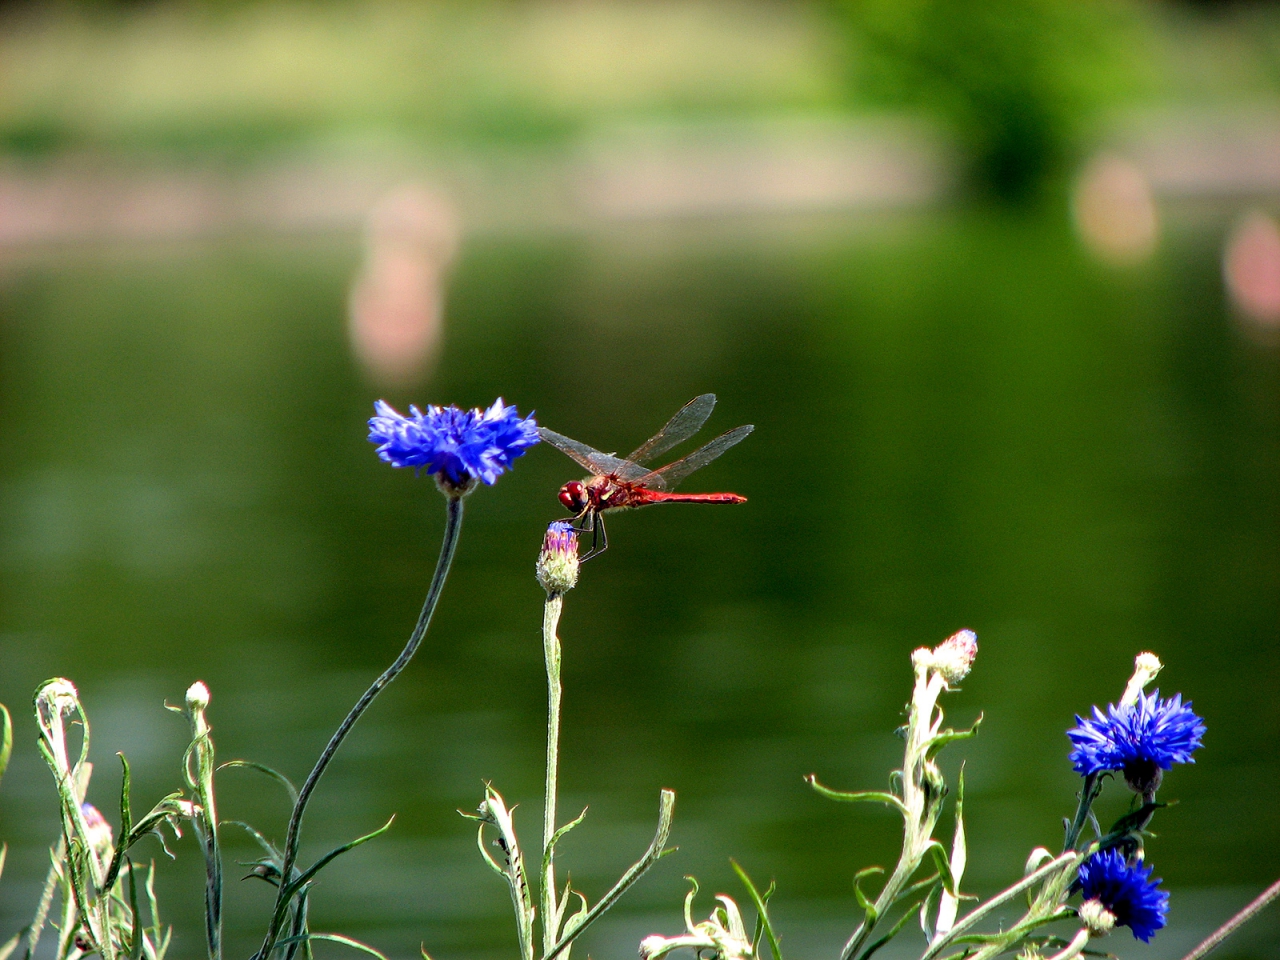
column 458, row 446
column 1139, row 738
column 1127, row 891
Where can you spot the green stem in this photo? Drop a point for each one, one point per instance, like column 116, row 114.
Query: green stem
column 1089, row 793
column 1067, row 862
column 1235, row 923
column 202, row 783
column 452, row 527
column 921, row 813
column 547, row 882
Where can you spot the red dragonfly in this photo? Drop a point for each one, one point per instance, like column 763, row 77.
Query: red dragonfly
column 618, row 484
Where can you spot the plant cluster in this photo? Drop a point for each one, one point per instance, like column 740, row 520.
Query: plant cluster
column 94, row 894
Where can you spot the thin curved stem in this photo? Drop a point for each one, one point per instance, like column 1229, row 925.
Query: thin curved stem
column 1235, row 923
column 453, row 525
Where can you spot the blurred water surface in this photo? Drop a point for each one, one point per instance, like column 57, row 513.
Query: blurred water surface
column 961, row 421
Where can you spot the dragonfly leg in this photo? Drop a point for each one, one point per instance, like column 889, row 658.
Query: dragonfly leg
column 599, row 537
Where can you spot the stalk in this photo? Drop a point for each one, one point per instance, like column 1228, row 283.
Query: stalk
column 547, row 882
column 920, row 811
column 1088, row 794
column 452, row 527
column 1235, row 923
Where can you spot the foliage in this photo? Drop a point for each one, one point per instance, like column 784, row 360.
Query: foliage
column 1017, row 80
column 91, row 896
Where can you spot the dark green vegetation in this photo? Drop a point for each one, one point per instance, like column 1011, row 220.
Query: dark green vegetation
column 959, row 423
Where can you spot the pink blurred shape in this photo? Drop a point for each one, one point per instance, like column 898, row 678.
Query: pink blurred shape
column 1251, row 269
column 397, row 299
column 1115, row 212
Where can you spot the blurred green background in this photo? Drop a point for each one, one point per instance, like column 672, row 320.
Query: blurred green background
column 998, row 283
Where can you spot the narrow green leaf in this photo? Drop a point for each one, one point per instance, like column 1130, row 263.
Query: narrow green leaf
column 926, row 906
column 759, row 928
column 657, row 849
column 166, row 809
column 298, row 932
column 263, row 842
column 865, row 796
column 916, row 887
column 332, row 855
column 135, row 942
column 11, row 944
column 6, row 740
column 555, row 837
column 1135, row 820
column 336, row 938
column 126, row 812
column 939, row 854
column 943, row 737
column 893, row 932
column 762, row 909
column 275, row 775
column 863, row 900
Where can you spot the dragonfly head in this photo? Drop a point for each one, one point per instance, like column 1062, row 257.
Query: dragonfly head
column 574, row 496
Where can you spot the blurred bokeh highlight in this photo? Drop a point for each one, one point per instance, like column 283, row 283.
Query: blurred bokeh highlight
column 998, row 282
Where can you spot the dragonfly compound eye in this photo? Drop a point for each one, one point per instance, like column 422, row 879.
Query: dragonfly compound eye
column 573, row 496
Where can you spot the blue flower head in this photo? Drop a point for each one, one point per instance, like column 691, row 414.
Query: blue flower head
column 1128, row 892
column 1139, row 738
column 458, row 446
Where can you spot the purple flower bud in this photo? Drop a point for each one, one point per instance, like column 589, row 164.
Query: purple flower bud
column 558, row 562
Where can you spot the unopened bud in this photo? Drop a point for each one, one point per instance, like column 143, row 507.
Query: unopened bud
column 197, row 696
column 557, row 566
column 98, row 831
column 932, row 782
column 59, row 695
column 1145, row 668
column 1098, row 920
column 652, row 947
column 953, row 657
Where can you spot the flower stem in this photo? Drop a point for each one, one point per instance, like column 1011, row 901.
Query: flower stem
column 1073, row 949
column 547, row 882
column 920, row 812
column 452, row 527
column 1235, row 923
column 1064, row 864
column 1088, row 793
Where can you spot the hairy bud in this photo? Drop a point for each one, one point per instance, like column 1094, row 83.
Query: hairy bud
column 557, row 566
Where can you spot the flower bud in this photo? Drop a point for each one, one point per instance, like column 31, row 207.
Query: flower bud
column 197, row 696
column 952, row 659
column 557, row 566
column 1145, row 668
column 98, row 831
column 58, row 695
column 932, row 783
column 1098, row 920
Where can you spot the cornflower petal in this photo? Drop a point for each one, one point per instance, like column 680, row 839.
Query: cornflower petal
column 458, row 446
column 1126, row 890
column 1148, row 732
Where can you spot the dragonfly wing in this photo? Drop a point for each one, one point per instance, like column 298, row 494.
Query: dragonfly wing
column 687, row 421
column 590, row 458
column 669, row 477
